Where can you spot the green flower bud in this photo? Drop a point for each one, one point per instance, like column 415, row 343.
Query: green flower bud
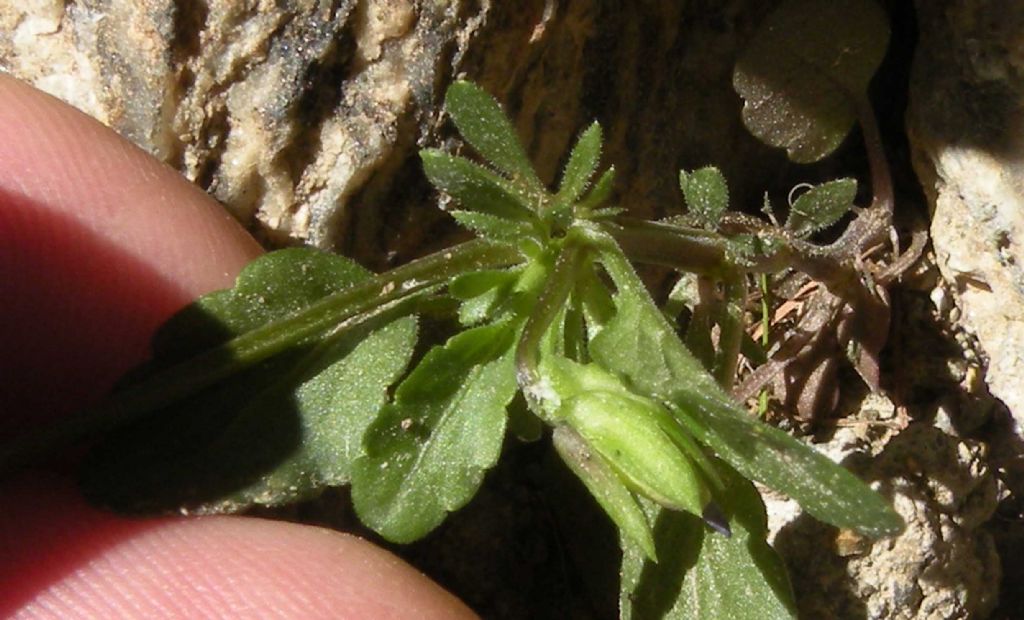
column 628, row 432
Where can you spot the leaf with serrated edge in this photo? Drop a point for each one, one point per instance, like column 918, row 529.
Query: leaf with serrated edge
column 702, row 574
column 706, row 194
column 640, row 346
column 485, row 126
column 821, row 206
column 804, row 69
column 273, row 434
column 426, row 453
column 582, row 162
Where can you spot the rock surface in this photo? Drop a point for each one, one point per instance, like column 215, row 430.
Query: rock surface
column 304, row 118
column 943, row 565
column 966, row 124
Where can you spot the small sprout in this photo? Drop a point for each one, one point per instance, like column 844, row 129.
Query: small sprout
column 706, row 194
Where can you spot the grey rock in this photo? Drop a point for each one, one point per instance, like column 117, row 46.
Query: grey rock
column 965, row 121
column 304, row 117
column 944, row 564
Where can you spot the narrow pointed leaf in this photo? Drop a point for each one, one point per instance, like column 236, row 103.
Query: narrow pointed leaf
column 640, row 346
column 804, row 70
column 426, row 454
column 600, row 192
column 706, row 194
column 493, row 227
column 821, row 206
column 582, row 163
column 485, row 126
column 273, row 434
column 473, row 187
column 702, row 574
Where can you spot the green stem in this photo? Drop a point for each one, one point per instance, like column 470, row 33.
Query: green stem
column 686, row 249
column 695, row 250
column 341, row 310
column 730, row 324
column 552, row 299
column 762, row 279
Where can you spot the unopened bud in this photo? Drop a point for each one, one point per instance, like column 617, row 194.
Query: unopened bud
column 626, row 430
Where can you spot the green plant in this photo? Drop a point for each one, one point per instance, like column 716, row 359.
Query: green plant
column 307, row 373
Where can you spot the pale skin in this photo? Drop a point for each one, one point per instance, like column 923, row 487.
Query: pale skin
column 99, row 244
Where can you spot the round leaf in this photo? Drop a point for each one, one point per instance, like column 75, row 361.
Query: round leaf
column 804, row 70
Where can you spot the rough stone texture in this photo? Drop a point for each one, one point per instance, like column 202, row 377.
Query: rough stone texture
column 304, row 117
column 966, row 124
column 944, row 565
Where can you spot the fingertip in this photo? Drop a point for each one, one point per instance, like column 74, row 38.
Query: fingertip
column 56, row 159
column 99, row 244
column 62, row 558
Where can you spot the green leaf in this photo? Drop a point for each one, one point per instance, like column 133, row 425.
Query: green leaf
column 606, row 487
column 482, row 293
column 427, row 452
column 600, row 193
column 492, row 227
column 821, row 206
column 271, row 287
column 485, row 126
column 804, row 71
column 640, row 346
column 474, row 187
column 706, row 194
column 582, row 163
column 702, row 574
column 274, row 434
column 774, row 458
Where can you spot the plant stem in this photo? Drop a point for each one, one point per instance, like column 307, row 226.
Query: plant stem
column 552, row 299
column 730, row 324
column 762, row 279
column 685, row 249
column 881, row 177
column 335, row 312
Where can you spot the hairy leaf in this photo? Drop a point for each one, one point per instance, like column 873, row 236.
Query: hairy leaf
column 482, row 293
column 706, row 194
column 804, row 70
column 583, row 162
column 600, row 192
column 427, row 452
column 474, row 187
column 702, row 574
column 493, row 228
column 640, row 346
column 273, row 434
column 821, row 206
column 484, row 125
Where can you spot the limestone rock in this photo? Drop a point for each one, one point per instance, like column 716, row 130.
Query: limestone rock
column 304, row 117
column 943, row 565
column 965, row 122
